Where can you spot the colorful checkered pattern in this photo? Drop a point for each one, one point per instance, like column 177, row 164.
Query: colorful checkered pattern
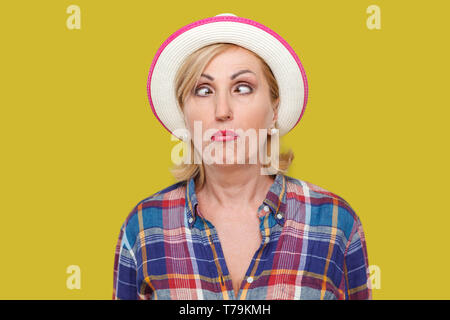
column 313, row 247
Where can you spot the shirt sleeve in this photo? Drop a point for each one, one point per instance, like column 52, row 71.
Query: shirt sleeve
column 357, row 266
column 125, row 269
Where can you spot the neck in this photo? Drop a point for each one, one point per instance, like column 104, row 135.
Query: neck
column 235, row 186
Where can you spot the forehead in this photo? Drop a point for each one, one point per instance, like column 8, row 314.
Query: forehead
column 233, row 58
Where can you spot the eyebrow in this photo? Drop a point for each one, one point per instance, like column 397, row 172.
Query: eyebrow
column 232, row 77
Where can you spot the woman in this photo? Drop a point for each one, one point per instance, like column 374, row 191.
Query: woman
column 233, row 227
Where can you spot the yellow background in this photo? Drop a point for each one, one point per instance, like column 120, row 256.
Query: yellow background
column 80, row 145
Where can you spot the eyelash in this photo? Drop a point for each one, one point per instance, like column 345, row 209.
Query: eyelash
column 238, row 85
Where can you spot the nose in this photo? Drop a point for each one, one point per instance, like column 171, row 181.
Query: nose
column 223, row 108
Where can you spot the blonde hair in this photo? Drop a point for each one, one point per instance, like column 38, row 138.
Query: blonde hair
column 185, row 81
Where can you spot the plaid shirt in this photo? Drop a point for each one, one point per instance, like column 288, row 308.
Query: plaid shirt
column 313, row 247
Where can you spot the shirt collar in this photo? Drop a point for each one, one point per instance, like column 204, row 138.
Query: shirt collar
column 275, row 200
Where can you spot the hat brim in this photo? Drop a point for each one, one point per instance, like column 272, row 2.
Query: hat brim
column 276, row 52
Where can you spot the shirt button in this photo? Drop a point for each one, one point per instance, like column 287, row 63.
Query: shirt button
column 279, row 216
column 190, row 220
column 266, row 208
column 250, row 279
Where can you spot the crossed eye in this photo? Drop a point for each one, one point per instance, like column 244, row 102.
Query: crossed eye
column 249, row 90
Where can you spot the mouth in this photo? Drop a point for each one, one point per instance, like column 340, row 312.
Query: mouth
column 224, row 135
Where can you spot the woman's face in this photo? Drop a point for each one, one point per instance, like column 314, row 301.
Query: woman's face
column 231, row 94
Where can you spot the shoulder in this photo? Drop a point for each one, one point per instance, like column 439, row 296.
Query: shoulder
column 325, row 207
column 151, row 208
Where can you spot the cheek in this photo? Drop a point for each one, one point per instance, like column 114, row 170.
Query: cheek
column 191, row 115
column 255, row 117
column 196, row 118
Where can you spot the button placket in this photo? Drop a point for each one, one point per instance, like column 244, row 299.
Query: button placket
column 263, row 215
column 219, row 258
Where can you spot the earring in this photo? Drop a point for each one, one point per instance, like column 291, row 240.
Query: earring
column 273, row 131
column 182, row 136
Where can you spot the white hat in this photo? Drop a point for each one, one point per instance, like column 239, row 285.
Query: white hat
column 227, row 27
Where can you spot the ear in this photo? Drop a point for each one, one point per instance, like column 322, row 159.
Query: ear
column 275, row 110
